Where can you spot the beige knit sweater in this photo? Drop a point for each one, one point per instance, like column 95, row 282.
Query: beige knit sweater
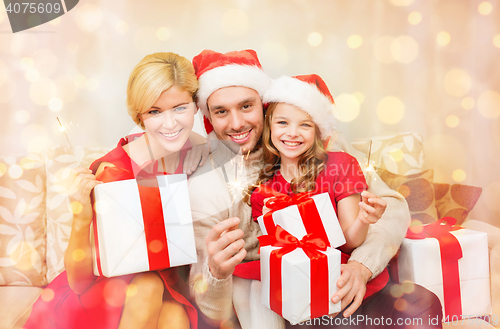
column 216, row 194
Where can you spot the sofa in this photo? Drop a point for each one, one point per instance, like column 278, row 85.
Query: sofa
column 35, row 220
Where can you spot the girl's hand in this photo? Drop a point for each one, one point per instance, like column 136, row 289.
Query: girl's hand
column 82, row 183
column 196, row 157
column 371, row 208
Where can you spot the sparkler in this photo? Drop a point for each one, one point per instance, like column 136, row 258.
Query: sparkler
column 63, row 129
column 369, row 166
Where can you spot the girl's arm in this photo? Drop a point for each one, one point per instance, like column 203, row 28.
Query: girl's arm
column 78, row 255
column 355, row 217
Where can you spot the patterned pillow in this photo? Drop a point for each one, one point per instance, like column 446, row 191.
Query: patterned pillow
column 60, row 162
column 456, row 200
column 418, row 191
column 401, row 154
column 22, row 221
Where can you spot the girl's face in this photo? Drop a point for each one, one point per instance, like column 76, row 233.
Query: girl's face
column 169, row 121
column 292, row 131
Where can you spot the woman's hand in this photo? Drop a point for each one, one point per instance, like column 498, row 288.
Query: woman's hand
column 196, row 157
column 83, row 181
column 371, row 208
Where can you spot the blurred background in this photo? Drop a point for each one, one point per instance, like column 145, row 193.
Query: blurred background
column 393, row 66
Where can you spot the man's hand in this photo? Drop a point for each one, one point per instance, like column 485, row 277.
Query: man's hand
column 352, row 286
column 225, row 248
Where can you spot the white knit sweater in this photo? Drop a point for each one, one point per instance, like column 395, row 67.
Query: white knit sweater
column 216, row 194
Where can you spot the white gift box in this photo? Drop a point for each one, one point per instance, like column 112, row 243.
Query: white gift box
column 419, row 261
column 120, row 230
column 296, row 282
column 289, row 218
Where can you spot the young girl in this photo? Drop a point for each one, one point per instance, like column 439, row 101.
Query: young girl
column 298, row 119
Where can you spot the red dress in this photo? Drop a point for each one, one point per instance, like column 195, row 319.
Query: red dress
column 101, row 305
column 340, row 178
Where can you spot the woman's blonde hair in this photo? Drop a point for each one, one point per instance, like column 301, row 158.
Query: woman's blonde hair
column 310, row 163
column 153, row 75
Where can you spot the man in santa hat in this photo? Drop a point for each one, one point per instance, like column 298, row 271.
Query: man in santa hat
column 230, row 97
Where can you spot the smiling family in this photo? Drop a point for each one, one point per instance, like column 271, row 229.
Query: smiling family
column 280, row 146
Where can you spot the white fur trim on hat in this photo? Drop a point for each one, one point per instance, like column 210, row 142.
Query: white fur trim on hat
column 228, row 76
column 306, row 97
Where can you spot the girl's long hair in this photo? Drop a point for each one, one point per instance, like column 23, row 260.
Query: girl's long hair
column 310, row 163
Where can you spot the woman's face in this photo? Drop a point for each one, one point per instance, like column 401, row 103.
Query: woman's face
column 169, row 121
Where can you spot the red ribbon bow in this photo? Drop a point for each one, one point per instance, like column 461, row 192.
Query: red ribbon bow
column 307, row 209
column 310, row 244
column 451, row 252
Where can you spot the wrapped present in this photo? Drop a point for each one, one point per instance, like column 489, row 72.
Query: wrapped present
column 142, row 225
column 452, row 262
column 298, row 277
column 301, row 214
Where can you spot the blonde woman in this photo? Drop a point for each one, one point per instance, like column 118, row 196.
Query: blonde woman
column 160, row 98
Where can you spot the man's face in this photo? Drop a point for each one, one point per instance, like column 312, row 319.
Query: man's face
column 237, row 115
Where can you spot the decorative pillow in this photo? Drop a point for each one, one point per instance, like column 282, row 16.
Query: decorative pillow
column 401, row 154
column 60, row 162
column 456, row 200
column 418, row 192
column 22, row 221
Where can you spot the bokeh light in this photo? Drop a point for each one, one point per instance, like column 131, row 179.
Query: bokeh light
column 200, row 284
column 56, row 21
column 457, row 82
column 27, row 63
column 355, row 41
column 346, row 107
column 496, row 40
column 131, row 290
column 443, row 38
column 491, row 195
column 390, row 110
column 114, row 290
column 47, row 295
column 121, row 27
column 452, row 121
column 7, row 90
column 359, row 96
column 78, row 255
column 42, row 91
column 76, row 207
column 404, row 49
column 314, row 39
column 67, row 89
column 22, row 116
column 468, row 103
column 275, row 54
column 88, row 17
column 401, row 305
column 101, row 206
column 488, row 104
column 485, row 8
column 234, row 23
column 35, row 138
column 459, row 175
column 402, row 2
column 3, row 169
column 55, row 104
column 32, row 75
column 163, row 33
column 443, row 147
column 396, row 291
column 382, row 50
column 414, row 18
column 15, row 171
column 408, row 287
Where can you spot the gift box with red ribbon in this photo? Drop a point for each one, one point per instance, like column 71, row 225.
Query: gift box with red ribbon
column 298, row 276
column 142, row 225
column 450, row 261
column 301, row 214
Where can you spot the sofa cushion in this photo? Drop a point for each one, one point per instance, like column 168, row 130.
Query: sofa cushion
column 401, row 154
column 456, row 200
column 22, row 221
column 15, row 305
column 60, row 162
column 418, row 192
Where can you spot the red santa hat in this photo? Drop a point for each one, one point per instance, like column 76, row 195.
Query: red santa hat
column 236, row 68
column 310, row 94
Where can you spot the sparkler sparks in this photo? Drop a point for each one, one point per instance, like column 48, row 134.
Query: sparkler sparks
column 62, row 128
